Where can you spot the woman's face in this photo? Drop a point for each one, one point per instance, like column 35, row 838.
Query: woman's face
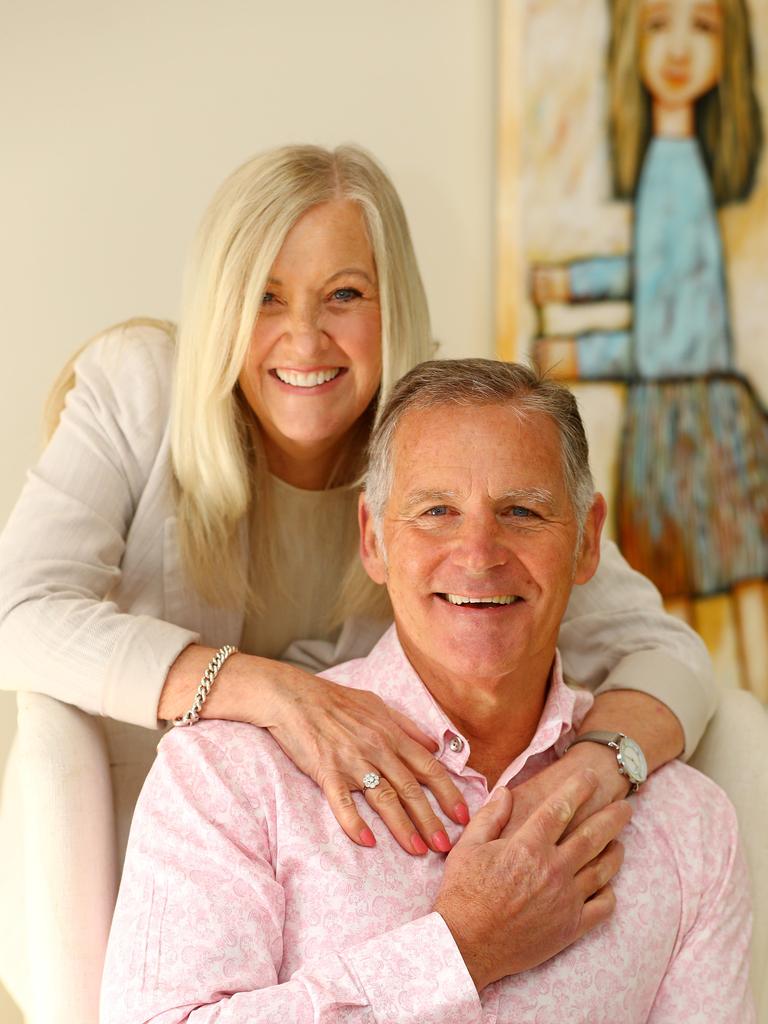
column 314, row 362
column 681, row 49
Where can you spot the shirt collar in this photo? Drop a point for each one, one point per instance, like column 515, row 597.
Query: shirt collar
column 387, row 672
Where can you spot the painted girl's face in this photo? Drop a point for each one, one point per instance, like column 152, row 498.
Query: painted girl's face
column 314, row 363
column 681, row 51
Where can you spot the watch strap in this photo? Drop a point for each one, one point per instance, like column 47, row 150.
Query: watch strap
column 612, row 740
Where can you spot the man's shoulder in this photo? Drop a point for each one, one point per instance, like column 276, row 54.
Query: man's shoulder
column 244, row 758
column 688, row 816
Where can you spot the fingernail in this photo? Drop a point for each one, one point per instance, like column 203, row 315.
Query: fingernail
column 461, row 813
column 441, row 841
column 367, row 838
column 418, row 844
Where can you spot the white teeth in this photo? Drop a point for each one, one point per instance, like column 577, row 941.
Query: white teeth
column 307, row 380
column 501, row 599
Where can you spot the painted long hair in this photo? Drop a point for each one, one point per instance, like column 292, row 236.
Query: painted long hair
column 728, row 120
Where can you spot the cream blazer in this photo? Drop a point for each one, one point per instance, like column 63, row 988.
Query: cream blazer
column 94, row 608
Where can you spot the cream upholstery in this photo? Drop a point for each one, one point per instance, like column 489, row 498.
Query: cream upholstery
column 77, row 778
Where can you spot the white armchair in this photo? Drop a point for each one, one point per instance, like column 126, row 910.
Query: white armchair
column 75, row 780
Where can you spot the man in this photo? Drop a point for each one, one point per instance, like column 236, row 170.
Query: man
column 241, row 902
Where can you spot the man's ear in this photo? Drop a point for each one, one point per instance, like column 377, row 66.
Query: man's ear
column 589, row 556
column 371, row 554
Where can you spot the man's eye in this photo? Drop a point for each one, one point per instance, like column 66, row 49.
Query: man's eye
column 521, row 513
column 346, row 294
column 436, row 511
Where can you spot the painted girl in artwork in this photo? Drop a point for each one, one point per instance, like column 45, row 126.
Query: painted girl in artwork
column 685, row 137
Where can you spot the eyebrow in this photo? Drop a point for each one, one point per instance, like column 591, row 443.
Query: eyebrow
column 345, row 272
column 529, row 495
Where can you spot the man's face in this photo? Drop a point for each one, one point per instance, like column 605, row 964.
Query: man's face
column 479, row 542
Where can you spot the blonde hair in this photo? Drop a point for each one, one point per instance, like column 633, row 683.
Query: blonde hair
column 728, row 121
column 218, row 458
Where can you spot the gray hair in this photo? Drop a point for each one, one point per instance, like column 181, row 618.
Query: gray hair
column 481, row 382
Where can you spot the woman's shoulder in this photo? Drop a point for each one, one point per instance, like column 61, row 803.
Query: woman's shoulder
column 126, row 372
column 139, row 348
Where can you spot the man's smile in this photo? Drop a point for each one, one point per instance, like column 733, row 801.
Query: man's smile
column 492, row 601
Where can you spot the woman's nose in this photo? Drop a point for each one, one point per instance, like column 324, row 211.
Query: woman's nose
column 306, row 331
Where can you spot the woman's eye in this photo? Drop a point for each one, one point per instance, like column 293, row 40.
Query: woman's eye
column 346, row 294
column 657, row 23
column 267, row 298
column 705, row 25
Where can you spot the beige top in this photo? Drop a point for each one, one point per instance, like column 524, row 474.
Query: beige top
column 314, row 532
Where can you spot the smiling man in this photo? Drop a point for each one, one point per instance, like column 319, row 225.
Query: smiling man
column 241, row 902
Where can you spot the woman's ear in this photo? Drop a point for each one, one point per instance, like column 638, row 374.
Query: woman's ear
column 371, row 553
column 589, row 556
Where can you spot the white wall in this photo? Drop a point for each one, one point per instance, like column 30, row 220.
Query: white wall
column 119, row 120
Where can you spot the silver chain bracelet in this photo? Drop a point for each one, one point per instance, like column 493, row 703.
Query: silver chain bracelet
column 209, row 677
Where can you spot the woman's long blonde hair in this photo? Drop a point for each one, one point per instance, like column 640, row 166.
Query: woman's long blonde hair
column 218, row 461
column 728, row 121
column 218, row 458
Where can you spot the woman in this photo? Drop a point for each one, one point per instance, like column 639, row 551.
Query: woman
column 141, row 543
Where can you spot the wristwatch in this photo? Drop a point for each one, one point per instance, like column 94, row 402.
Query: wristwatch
column 629, row 756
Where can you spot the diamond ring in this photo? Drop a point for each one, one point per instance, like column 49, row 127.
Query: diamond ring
column 371, row 780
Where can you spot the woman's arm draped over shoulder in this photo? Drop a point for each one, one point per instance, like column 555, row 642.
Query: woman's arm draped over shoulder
column 61, row 550
column 616, row 636
column 99, row 498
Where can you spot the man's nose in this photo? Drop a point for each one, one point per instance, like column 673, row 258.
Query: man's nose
column 480, row 544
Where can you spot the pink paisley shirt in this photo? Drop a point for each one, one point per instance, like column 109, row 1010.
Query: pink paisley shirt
column 242, row 901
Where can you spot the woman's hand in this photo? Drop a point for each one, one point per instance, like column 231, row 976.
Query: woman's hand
column 513, row 898
column 610, row 784
column 336, row 735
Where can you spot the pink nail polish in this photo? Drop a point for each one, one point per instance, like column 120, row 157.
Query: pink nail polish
column 367, row 837
column 441, row 841
column 418, row 844
column 461, row 813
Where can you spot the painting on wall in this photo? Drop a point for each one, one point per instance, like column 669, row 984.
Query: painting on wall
column 633, row 263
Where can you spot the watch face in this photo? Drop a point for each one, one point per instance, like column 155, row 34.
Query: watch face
column 633, row 760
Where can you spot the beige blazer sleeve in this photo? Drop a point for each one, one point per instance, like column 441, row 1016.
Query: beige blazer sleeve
column 62, row 550
column 617, row 636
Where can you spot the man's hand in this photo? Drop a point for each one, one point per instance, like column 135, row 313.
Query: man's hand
column 513, row 901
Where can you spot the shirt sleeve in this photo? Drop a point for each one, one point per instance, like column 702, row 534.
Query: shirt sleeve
column 197, row 934
column 708, row 979
column 61, row 550
column 616, row 635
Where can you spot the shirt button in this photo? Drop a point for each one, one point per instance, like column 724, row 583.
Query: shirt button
column 456, row 744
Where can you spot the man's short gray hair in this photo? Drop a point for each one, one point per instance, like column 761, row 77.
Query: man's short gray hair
column 481, row 382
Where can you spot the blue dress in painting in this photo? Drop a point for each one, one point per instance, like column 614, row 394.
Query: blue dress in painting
column 693, row 495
